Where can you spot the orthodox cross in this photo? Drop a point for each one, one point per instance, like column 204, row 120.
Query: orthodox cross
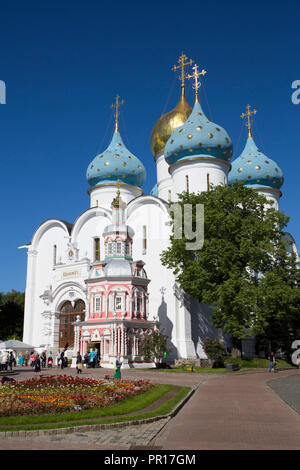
column 116, row 106
column 182, row 63
column 248, row 115
column 196, row 75
column 116, row 201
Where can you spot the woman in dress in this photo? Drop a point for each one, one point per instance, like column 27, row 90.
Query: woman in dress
column 117, row 370
column 21, row 360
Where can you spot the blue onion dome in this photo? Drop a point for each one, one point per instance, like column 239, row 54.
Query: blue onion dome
column 154, row 191
column 255, row 169
column 198, row 137
column 116, row 162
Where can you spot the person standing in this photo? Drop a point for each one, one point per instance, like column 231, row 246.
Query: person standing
column 272, row 362
column 11, row 360
column 298, row 361
column 86, row 360
column 91, row 358
column 50, row 359
column 26, row 358
column 117, row 370
column 21, row 360
column 43, row 358
column 79, row 363
column 37, row 364
column 62, row 360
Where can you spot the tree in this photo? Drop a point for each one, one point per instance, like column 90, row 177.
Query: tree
column 153, row 346
column 11, row 315
column 213, row 348
column 243, row 237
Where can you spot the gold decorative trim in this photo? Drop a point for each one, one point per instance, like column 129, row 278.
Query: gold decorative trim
column 212, row 159
column 113, row 184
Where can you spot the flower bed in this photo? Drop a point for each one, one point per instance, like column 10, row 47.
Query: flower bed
column 62, row 393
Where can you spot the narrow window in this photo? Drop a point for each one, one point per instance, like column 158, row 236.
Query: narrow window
column 96, row 249
column 169, row 195
column 187, row 183
column 118, row 303
column 54, row 254
column 98, row 304
column 208, row 182
column 119, row 248
column 144, row 239
column 127, row 249
column 109, row 248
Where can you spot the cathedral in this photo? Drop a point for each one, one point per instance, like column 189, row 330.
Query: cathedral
column 98, row 282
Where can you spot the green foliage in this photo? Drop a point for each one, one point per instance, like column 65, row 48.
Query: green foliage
column 213, row 348
column 242, row 238
column 154, row 345
column 11, row 315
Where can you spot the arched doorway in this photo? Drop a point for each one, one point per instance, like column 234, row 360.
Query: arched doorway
column 67, row 316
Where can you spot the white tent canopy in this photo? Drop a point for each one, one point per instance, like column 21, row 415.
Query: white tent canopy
column 15, row 345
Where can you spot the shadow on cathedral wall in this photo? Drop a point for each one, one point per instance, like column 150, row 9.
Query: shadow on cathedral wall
column 166, row 326
column 201, row 325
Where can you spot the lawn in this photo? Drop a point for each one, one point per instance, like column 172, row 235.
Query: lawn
column 246, row 365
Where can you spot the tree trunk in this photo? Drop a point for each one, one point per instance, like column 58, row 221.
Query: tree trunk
column 236, row 347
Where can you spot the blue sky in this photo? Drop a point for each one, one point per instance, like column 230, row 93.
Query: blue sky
column 63, row 62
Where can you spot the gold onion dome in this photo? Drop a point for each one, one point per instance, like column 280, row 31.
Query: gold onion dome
column 167, row 124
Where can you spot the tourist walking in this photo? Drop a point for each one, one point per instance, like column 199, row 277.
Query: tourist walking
column 21, row 360
column 92, row 358
column 32, row 358
column 11, row 360
column 62, row 360
column 86, row 360
column 50, row 359
column 26, row 358
column 37, row 364
column 79, row 363
column 4, row 360
column 272, row 362
column 117, row 370
column 298, row 361
column 43, row 359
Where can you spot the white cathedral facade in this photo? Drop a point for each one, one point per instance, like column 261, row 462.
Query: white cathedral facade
column 84, row 288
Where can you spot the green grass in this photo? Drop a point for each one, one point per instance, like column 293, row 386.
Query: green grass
column 246, row 365
column 104, row 415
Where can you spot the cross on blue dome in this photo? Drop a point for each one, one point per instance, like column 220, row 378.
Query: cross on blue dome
column 198, row 137
column 116, row 162
column 255, row 169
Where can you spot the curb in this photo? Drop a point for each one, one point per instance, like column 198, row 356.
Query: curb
column 98, row 427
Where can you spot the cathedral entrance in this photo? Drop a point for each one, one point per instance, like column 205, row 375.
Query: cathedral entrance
column 67, row 316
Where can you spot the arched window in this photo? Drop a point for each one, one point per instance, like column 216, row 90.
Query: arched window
column 208, row 182
column 54, row 254
column 67, row 316
column 187, row 183
column 144, row 239
column 96, row 249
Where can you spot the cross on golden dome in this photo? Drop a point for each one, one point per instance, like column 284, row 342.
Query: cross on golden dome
column 247, row 115
column 196, row 75
column 116, row 106
column 182, row 63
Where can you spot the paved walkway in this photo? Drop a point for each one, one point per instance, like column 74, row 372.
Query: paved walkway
column 226, row 412
column 233, row 413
